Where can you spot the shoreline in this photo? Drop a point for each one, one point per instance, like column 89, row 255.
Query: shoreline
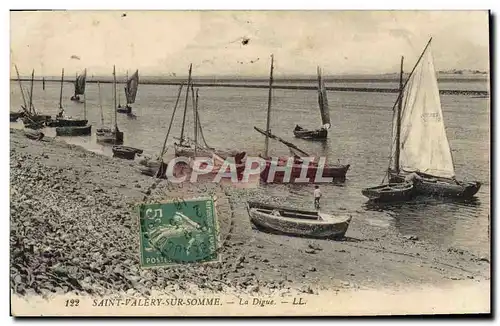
column 74, row 229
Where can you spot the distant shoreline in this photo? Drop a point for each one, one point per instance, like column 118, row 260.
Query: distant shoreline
column 222, row 83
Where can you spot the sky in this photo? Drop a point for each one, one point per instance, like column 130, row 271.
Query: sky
column 166, row 42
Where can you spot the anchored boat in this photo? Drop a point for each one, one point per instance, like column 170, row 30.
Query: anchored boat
column 105, row 134
column 390, row 192
column 297, row 222
column 420, row 142
column 322, row 132
column 131, row 87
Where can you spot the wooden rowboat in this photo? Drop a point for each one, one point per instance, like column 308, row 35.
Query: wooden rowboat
column 297, row 222
column 390, row 192
column 73, row 131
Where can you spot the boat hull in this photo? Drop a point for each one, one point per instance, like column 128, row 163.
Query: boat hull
column 389, row 192
column 107, row 136
column 307, row 225
column 154, row 169
column 66, row 122
column 335, row 172
column 14, row 116
column 125, row 109
column 439, row 187
column 126, row 152
column 317, row 134
column 74, row 131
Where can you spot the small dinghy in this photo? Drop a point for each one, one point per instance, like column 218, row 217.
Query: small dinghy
column 297, row 222
column 389, row 192
column 33, row 134
column 126, row 152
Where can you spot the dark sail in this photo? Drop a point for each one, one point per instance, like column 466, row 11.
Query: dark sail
column 131, row 88
column 80, row 83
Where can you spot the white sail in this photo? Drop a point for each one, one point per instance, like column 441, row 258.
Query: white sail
column 424, row 146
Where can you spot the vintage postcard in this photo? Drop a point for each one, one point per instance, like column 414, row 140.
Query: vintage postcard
column 249, row 163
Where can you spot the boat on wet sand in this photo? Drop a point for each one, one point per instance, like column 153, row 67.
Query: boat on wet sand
column 296, row 222
column 419, row 136
column 390, row 192
column 33, row 134
column 126, row 152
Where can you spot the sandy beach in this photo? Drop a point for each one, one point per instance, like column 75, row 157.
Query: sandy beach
column 74, row 228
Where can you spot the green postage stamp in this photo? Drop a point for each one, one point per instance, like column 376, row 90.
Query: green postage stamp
column 179, row 231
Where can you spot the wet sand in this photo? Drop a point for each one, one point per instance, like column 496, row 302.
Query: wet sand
column 74, row 228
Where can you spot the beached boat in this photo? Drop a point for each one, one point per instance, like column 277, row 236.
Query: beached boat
column 390, row 192
column 31, row 119
column 153, row 168
column 33, row 134
column 105, row 134
column 297, row 222
column 14, row 116
column 336, row 171
column 131, row 87
column 126, row 152
column 80, row 81
column 419, row 136
column 322, row 132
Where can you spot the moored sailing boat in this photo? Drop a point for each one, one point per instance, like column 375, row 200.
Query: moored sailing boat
column 107, row 135
column 322, row 132
column 337, row 171
column 185, row 146
column 61, row 120
column 80, row 81
column 421, row 146
column 131, row 88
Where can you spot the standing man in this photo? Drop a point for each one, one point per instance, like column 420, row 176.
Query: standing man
column 317, row 196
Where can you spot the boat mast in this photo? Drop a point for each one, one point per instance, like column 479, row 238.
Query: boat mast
column 76, row 81
column 84, row 99
column 398, row 117
column 185, row 104
column 171, row 122
column 60, row 93
column 125, row 88
column 100, row 102
column 196, row 124
column 31, row 91
column 412, row 71
column 114, row 96
column 269, row 100
column 21, row 87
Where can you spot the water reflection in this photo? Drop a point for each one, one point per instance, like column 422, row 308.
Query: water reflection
column 434, row 219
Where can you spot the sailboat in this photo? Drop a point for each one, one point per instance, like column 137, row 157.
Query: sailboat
column 64, row 121
column 334, row 171
column 106, row 135
column 80, row 81
column 186, row 147
column 131, row 87
column 420, row 147
column 322, row 132
column 14, row 116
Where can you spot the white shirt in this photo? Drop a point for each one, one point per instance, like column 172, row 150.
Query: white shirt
column 317, row 193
